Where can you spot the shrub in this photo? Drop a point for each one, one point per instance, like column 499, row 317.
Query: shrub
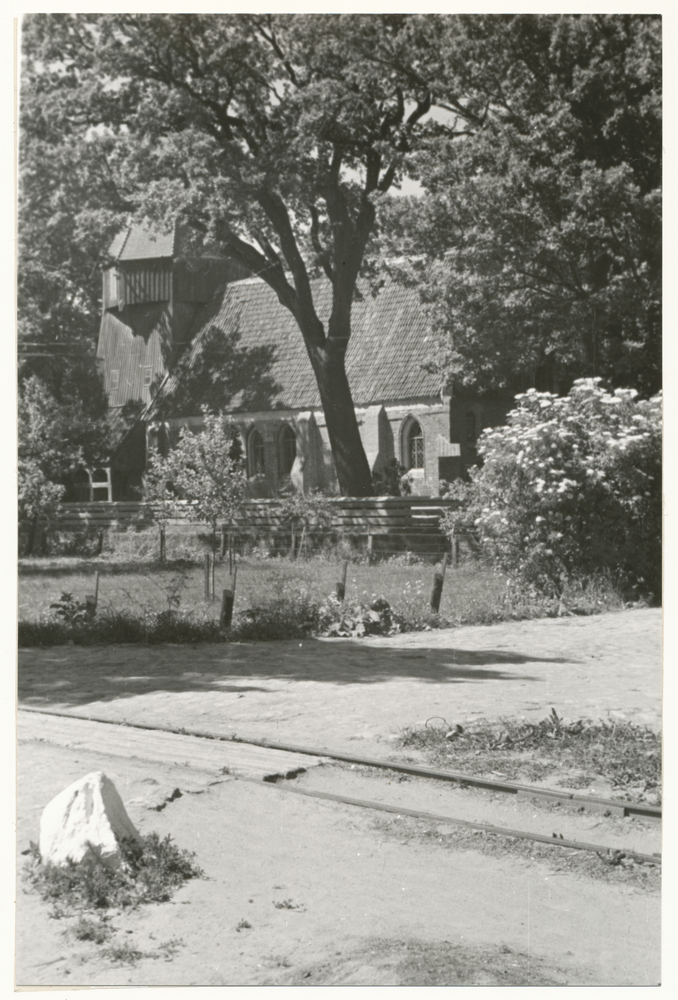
column 112, row 627
column 391, row 480
column 293, row 616
column 570, row 487
column 149, row 872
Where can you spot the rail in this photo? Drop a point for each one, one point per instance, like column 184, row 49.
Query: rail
column 580, row 801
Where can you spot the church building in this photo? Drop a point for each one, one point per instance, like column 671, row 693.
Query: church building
column 178, row 334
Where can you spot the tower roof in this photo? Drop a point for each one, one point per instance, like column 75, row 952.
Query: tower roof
column 137, row 242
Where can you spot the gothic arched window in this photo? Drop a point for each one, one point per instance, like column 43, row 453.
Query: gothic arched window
column 256, row 465
column 414, row 446
column 287, row 450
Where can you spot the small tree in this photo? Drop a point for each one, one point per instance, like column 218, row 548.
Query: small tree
column 38, row 500
column 55, row 438
column 571, row 486
column 203, row 477
column 302, row 511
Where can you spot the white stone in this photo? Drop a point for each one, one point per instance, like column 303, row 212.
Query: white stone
column 87, row 816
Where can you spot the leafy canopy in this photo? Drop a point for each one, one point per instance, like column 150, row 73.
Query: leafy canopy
column 202, row 478
column 274, row 137
column 537, row 247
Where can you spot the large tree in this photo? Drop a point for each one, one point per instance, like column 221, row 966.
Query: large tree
column 69, row 208
column 273, row 136
column 537, row 246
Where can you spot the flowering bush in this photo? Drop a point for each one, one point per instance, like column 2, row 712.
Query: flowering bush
column 570, row 487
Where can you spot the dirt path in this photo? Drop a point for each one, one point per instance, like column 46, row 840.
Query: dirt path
column 331, row 693
column 332, row 894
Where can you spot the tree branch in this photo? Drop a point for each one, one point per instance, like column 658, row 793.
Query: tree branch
column 273, row 42
column 321, row 251
column 303, row 309
column 256, row 262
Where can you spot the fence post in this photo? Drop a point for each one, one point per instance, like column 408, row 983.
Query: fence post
column 341, row 584
column 222, row 548
column 207, row 578
column 455, row 550
column 226, row 616
column 227, row 602
column 91, row 600
column 437, row 592
column 162, row 543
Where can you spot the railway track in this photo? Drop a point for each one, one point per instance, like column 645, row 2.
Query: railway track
column 571, row 799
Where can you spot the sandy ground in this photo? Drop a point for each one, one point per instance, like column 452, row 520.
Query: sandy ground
column 330, row 693
column 333, row 894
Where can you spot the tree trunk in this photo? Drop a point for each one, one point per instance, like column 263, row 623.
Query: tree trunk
column 32, row 535
column 352, row 468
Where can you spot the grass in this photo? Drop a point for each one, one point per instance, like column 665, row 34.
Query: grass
column 467, row 592
column 149, row 872
column 627, row 755
column 123, row 953
column 275, row 598
column 96, row 931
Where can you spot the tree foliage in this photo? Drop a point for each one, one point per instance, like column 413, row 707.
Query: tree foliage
column 55, row 438
column 538, row 244
column 274, row 137
column 202, row 478
column 277, row 139
column 69, row 208
column 571, row 487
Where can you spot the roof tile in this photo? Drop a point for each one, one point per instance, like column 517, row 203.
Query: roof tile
column 248, row 354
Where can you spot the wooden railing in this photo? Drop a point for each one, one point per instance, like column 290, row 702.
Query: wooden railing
column 415, row 518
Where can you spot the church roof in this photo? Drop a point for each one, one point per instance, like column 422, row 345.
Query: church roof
column 247, row 353
column 137, row 243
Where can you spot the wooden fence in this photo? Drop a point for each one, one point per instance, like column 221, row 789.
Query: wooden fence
column 386, row 523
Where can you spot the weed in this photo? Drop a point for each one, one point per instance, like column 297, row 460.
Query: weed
column 168, row 949
column 86, row 929
column 286, row 904
column 243, row 925
column 627, row 755
column 149, row 872
column 294, row 615
column 123, row 953
column 70, row 611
